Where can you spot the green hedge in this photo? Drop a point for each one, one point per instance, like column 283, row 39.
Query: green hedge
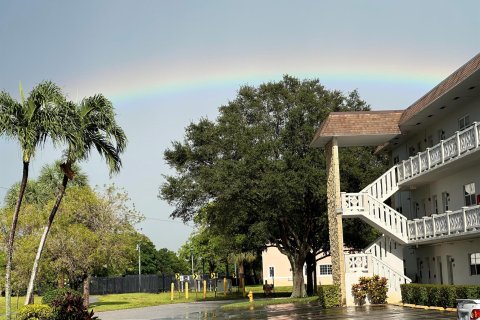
column 438, row 295
column 329, row 296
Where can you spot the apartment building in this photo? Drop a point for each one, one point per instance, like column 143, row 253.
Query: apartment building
column 427, row 203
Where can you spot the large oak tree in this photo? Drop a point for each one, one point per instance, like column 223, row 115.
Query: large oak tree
column 253, row 174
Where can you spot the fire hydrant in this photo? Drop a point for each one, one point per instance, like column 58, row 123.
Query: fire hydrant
column 250, row 296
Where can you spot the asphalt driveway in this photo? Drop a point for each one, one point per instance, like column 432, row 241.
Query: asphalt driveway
column 211, row 310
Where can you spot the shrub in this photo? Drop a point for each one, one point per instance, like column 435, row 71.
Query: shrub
column 55, row 294
column 375, row 288
column 438, row 295
column 35, row 312
column 466, row 292
column 407, row 293
column 447, row 296
column 420, row 295
column 329, row 296
column 433, row 293
column 70, row 307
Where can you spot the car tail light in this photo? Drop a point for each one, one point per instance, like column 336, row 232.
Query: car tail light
column 475, row 314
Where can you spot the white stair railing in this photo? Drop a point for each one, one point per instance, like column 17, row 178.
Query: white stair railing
column 384, row 187
column 374, row 212
column 368, row 264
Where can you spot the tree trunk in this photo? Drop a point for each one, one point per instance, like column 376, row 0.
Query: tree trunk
column 298, row 290
column 241, row 274
column 11, row 238
column 86, row 291
column 310, row 262
column 29, row 297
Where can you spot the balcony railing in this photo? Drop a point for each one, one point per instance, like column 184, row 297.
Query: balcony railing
column 447, row 224
column 460, row 143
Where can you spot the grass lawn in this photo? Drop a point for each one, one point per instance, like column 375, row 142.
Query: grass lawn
column 15, row 302
column 137, row 300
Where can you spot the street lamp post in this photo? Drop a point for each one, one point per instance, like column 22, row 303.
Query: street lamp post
column 139, row 269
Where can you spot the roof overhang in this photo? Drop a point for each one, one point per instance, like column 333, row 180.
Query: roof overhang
column 358, row 128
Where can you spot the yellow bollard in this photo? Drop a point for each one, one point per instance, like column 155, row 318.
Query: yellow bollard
column 186, row 290
column 204, row 289
column 172, row 288
column 250, row 296
column 224, row 286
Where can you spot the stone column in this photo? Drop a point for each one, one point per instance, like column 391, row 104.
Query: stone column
column 335, row 216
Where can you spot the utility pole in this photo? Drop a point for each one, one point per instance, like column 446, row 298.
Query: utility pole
column 192, row 264
column 139, row 269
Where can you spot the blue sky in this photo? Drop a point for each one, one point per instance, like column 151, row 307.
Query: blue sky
column 167, row 63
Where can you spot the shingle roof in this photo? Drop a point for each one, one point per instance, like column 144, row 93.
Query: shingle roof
column 443, row 87
column 359, row 123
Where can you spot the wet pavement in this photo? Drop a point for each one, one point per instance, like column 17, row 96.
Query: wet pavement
column 211, row 310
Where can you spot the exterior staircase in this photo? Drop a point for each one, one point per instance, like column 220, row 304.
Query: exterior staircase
column 369, row 205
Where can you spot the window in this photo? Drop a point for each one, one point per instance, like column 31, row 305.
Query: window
column 271, row 272
column 445, row 200
column 469, row 193
column 474, row 264
column 463, row 122
column 435, row 204
column 326, row 269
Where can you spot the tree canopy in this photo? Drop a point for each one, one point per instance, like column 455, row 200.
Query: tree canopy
column 253, row 176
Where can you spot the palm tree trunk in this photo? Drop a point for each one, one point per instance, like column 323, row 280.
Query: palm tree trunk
column 11, row 238
column 29, row 297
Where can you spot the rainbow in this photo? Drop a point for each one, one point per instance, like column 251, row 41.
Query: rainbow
column 153, row 80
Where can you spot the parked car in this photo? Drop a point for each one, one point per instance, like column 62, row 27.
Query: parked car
column 468, row 309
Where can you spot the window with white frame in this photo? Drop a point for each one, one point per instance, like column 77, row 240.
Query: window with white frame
column 474, row 264
column 463, row 122
column 325, row 269
column 469, row 193
column 271, row 272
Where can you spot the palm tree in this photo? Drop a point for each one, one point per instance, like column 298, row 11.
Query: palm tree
column 97, row 129
column 30, row 122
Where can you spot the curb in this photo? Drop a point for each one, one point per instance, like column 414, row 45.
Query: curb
column 416, row 306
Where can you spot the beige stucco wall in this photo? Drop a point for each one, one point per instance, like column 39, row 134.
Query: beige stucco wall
column 272, row 257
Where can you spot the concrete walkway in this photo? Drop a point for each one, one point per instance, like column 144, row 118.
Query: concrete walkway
column 211, row 310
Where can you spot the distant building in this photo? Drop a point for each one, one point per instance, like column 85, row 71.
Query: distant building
column 277, row 269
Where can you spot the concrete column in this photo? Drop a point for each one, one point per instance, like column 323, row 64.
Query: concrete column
column 335, row 216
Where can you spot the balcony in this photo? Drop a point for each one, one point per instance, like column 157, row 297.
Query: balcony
column 462, row 143
column 459, row 224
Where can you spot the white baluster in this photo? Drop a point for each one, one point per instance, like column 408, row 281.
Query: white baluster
column 464, row 219
column 458, row 142
column 442, row 152
column 447, row 215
